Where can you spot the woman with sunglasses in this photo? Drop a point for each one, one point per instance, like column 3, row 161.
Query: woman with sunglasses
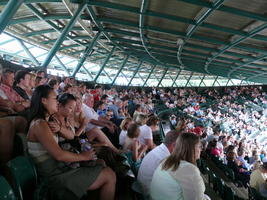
column 64, row 183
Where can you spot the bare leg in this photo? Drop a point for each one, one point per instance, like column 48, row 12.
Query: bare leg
column 106, row 182
column 96, row 133
column 7, row 133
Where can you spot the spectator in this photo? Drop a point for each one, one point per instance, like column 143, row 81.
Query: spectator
column 22, row 82
column 178, row 177
column 124, row 126
column 152, row 160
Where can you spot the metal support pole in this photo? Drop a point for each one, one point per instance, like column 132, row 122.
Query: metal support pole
column 174, row 82
column 138, row 67
column 149, row 75
column 189, row 79
column 202, row 80
column 162, row 77
column 119, row 71
column 62, row 65
column 64, row 33
column 85, row 54
column 8, row 12
column 214, row 81
column 104, row 64
column 33, row 59
column 107, row 75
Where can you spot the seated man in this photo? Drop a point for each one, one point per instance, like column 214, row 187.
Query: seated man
column 9, row 125
column 152, row 160
column 22, row 81
column 97, row 124
column 146, row 136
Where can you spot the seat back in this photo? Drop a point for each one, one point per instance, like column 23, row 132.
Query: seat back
column 229, row 194
column 6, row 192
column 24, row 177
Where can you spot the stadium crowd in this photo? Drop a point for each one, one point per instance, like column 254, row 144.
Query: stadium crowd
column 61, row 116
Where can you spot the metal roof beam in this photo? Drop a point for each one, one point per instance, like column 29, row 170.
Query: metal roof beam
column 8, row 12
column 194, row 27
column 104, row 64
column 86, row 53
column 62, row 65
column 120, row 69
column 137, row 69
column 227, row 9
column 45, row 18
column 175, row 18
column 234, row 43
column 165, row 72
column 174, row 82
column 178, row 34
column 33, row 59
column 64, row 33
column 152, row 70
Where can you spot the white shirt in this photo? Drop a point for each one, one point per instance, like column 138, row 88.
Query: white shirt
column 145, row 133
column 122, row 137
column 149, row 164
column 91, row 114
column 62, row 85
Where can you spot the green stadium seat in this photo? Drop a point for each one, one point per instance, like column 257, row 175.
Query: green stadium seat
column 24, row 177
column 220, row 186
column 6, row 192
column 229, row 194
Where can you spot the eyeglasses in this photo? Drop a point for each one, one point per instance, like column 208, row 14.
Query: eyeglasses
column 109, row 115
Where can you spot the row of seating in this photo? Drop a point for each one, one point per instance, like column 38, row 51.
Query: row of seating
column 216, row 183
column 252, row 192
column 24, row 183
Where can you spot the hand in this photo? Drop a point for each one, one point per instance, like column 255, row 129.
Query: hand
column 88, row 155
column 144, row 147
column 54, row 127
column 86, row 121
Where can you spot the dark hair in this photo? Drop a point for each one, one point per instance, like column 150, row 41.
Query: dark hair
column 184, row 150
column 133, row 130
column 20, row 75
column 104, row 97
column 8, row 71
column 64, row 98
column 39, row 72
column 37, row 109
column 52, row 82
column 171, row 137
column 153, row 120
column 68, row 86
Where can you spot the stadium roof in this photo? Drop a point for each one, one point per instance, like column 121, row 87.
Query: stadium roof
column 151, row 43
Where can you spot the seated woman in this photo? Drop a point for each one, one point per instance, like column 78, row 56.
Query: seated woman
column 132, row 144
column 178, row 177
column 124, row 126
column 79, row 121
column 64, row 183
column 240, row 173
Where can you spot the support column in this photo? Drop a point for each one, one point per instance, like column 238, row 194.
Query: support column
column 64, row 33
column 33, row 59
column 174, row 82
column 85, row 54
column 152, row 70
column 119, row 71
column 138, row 67
column 189, row 79
column 62, row 65
column 162, row 77
column 104, row 64
column 8, row 12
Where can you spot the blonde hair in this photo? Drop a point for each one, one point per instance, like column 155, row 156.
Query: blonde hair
column 126, row 121
column 141, row 119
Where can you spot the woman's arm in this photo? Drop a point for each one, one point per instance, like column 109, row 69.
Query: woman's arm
column 63, row 131
column 137, row 151
column 44, row 135
column 83, row 124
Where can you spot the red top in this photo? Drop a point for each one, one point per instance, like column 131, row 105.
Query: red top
column 11, row 94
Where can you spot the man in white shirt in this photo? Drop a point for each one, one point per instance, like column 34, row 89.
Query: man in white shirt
column 153, row 159
column 146, row 136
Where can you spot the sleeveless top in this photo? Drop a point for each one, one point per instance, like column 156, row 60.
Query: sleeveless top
column 36, row 149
